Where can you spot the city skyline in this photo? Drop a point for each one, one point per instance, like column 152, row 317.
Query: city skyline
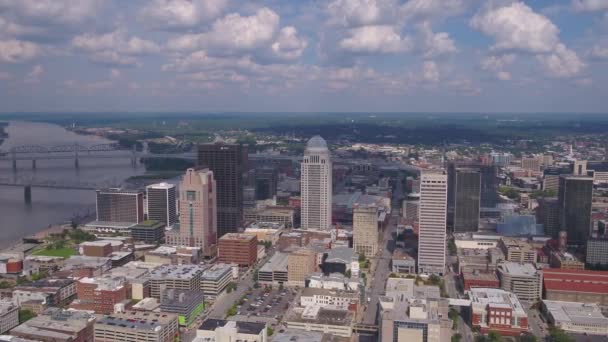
column 339, row 55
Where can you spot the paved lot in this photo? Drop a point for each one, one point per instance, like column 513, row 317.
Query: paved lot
column 266, row 303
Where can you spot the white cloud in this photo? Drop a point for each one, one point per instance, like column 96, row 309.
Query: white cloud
column 585, row 82
column 375, row 39
column 288, row 45
column 428, row 9
column 233, row 33
column 115, row 74
column 175, row 14
column 353, row 13
column 88, row 87
column 16, row 51
column 497, row 65
column 503, row 75
column 563, row 62
column 590, row 5
column 114, row 48
column 63, row 12
column 517, row 27
column 599, row 51
column 436, row 44
column 430, row 72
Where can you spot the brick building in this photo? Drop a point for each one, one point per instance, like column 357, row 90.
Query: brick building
column 240, row 249
column 476, row 278
column 100, row 294
column 497, row 310
column 576, row 285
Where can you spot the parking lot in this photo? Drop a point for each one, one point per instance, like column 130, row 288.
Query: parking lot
column 270, row 303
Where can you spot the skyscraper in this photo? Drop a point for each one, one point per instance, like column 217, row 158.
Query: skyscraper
column 228, row 163
column 162, row 203
column 316, row 185
column 432, row 222
column 197, row 212
column 365, row 230
column 467, row 193
column 118, row 205
column 489, row 183
column 265, row 182
column 575, row 197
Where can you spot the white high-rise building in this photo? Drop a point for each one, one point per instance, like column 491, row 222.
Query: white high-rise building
column 432, row 220
column 316, row 186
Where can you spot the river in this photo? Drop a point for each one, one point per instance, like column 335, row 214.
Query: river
column 50, row 206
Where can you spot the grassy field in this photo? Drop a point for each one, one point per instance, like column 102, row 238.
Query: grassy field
column 60, row 252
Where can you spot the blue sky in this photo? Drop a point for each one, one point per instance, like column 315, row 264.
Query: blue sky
column 304, row 55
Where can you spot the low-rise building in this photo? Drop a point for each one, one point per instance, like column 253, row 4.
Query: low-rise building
column 417, row 319
column 239, row 249
column 476, row 278
column 334, row 281
column 137, row 326
column 214, row 280
column 524, row 280
column 52, row 291
column 87, row 266
column 100, row 294
column 576, row 286
column 517, row 251
column 9, row 316
column 315, row 318
column 171, row 255
column 497, row 310
column 152, row 232
column 222, row 330
column 274, row 214
column 300, row 263
column 266, row 231
column 330, row 299
column 274, row 271
column 179, row 277
column 57, row 325
column 402, row 262
column 566, row 261
column 574, row 317
column 188, row 305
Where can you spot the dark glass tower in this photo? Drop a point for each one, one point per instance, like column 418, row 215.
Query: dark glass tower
column 265, row 182
column 228, row 163
column 575, row 196
column 467, row 194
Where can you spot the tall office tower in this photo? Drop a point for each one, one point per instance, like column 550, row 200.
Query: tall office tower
column 228, row 163
column 266, row 179
column 316, row 185
column 547, row 214
column 575, row 196
column 365, row 230
column 579, row 168
column 501, row 159
column 432, row 222
column 467, row 195
column 197, row 212
column 162, row 203
column 118, row 205
column 488, row 188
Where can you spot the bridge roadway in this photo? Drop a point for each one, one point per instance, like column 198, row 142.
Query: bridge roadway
column 50, row 186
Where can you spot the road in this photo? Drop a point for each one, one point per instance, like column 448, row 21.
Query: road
column 381, row 263
column 535, row 325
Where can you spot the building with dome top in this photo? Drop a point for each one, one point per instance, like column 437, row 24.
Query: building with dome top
column 316, row 185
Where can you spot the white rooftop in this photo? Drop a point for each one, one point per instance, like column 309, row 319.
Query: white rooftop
column 577, row 313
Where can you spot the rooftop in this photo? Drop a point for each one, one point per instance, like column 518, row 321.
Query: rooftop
column 119, row 191
column 252, row 328
column 577, row 313
column 340, row 255
column 216, row 272
column 575, row 280
column 278, row 262
column 496, row 298
column 320, row 315
column 316, row 143
column 237, row 237
column 309, row 291
column 520, row 270
column 162, row 185
column 139, row 320
column 176, row 272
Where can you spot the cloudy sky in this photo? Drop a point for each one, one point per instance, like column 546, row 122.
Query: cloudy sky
column 304, row 55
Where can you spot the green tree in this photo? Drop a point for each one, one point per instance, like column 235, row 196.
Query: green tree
column 348, row 274
column 558, row 335
column 269, row 331
column 509, row 192
column 456, row 338
column 25, row 315
column 528, row 338
column 361, row 257
column 493, row 336
column 5, row 284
